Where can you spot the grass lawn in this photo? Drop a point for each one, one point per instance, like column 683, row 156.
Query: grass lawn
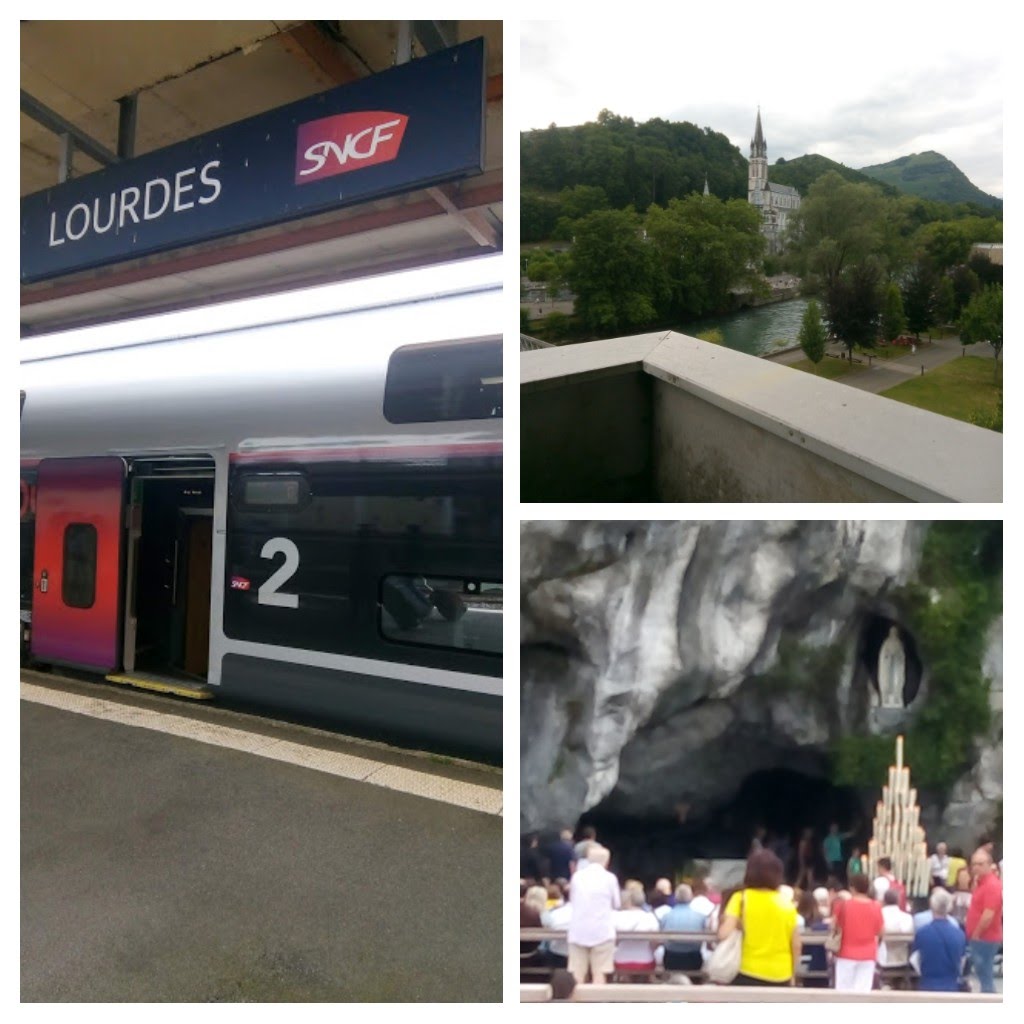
column 956, row 389
column 829, row 368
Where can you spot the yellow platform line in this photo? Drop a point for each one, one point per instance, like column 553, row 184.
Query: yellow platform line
column 178, row 689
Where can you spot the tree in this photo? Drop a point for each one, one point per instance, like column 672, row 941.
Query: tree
column 556, row 326
column 705, row 247
column 614, row 272
column 946, row 244
column 838, row 224
column 893, row 319
column 812, row 333
column 987, row 271
column 853, row 304
column 537, row 216
column 945, row 301
column 579, row 200
column 982, row 319
column 965, row 284
column 919, row 290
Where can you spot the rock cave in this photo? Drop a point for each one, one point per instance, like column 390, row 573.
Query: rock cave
column 781, row 800
column 682, row 682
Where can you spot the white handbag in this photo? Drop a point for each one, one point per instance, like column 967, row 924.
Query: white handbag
column 724, row 964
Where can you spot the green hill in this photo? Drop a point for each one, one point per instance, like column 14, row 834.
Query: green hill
column 803, row 171
column 634, row 163
column 930, row 175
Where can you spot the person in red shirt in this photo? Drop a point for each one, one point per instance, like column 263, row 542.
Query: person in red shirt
column 859, row 921
column 985, row 917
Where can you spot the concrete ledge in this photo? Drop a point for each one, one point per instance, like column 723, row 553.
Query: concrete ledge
column 739, row 994
column 554, row 367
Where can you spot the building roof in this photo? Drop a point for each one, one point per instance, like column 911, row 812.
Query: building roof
column 528, row 344
column 783, row 190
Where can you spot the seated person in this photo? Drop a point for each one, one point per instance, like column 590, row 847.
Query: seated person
column 683, row 956
column 634, row 954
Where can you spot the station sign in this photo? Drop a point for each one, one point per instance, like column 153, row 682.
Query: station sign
column 417, row 124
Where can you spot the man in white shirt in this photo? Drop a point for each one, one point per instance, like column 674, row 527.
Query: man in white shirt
column 894, row 953
column 938, row 865
column 594, row 895
column 885, row 876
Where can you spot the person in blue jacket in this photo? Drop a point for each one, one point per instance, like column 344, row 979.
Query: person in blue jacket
column 941, row 946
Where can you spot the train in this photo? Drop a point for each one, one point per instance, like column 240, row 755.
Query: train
column 293, row 501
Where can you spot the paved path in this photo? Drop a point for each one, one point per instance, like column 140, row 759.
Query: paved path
column 887, row 373
column 160, row 867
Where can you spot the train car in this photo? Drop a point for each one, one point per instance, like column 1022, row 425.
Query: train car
column 295, row 501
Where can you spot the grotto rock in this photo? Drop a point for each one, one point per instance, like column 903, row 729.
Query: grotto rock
column 664, row 662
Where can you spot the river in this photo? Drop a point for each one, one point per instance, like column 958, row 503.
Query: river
column 759, row 329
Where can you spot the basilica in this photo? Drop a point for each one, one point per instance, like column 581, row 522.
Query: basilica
column 775, row 201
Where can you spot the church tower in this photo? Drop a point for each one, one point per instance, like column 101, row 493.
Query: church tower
column 758, row 175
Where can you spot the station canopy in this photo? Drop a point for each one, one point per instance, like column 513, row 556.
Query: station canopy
column 98, row 97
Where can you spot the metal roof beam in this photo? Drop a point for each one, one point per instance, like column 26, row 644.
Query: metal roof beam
column 128, row 111
column 59, row 126
column 436, row 35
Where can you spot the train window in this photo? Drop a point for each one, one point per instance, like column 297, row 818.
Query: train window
column 78, row 586
column 270, row 491
column 442, row 612
column 444, row 381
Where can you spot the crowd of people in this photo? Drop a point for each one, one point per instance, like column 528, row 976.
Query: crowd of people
column 868, row 933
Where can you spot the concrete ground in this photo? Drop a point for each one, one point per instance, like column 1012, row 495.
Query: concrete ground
column 887, row 373
column 158, row 868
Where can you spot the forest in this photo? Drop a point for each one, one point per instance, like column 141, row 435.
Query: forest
column 641, row 246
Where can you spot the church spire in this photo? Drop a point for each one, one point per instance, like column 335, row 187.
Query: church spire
column 758, row 147
column 707, row 191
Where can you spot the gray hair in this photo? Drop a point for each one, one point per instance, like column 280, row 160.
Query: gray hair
column 684, row 894
column 633, row 898
column 536, row 897
column 598, row 854
column 940, row 901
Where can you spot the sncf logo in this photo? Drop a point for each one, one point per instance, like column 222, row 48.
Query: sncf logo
column 346, row 142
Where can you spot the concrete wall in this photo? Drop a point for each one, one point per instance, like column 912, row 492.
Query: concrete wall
column 589, row 440
column 702, row 453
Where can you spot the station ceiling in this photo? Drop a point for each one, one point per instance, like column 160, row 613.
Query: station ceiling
column 194, row 77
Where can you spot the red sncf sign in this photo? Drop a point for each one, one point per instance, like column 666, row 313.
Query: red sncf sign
column 346, row 142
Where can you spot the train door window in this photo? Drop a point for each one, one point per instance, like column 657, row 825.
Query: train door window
column 445, row 381
column 78, row 578
column 464, row 614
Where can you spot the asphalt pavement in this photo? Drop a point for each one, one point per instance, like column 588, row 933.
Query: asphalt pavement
column 158, row 868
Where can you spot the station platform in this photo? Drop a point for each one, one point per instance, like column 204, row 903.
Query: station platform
column 174, row 851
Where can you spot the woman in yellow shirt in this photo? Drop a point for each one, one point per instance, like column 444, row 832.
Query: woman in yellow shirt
column 771, row 939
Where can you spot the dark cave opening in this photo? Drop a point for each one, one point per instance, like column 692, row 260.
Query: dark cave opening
column 782, row 801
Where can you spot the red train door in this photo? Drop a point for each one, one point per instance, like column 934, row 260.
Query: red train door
column 76, row 594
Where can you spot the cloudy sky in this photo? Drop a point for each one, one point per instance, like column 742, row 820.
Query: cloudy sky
column 861, row 83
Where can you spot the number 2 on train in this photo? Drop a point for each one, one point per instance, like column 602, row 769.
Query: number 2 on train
column 268, row 593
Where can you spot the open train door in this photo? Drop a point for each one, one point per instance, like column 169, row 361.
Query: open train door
column 76, row 595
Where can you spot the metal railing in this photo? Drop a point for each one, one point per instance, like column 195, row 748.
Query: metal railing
column 807, row 938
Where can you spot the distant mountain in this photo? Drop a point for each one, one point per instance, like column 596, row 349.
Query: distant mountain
column 930, row 175
column 803, row 171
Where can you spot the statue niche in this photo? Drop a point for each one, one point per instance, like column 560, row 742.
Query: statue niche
column 889, row 656
column 892, row 670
